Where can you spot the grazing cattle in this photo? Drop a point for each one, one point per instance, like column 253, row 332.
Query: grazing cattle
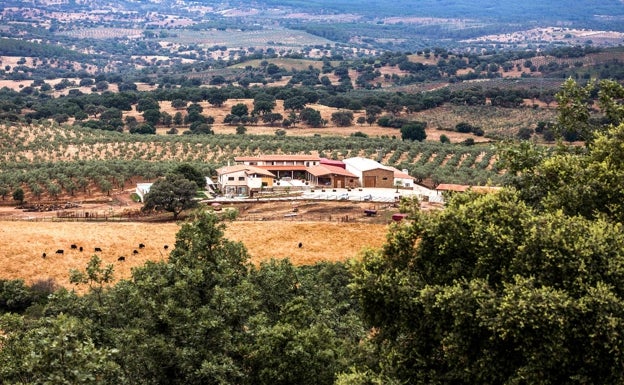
column 135, row 252
column 60, row 251
column 121, row 258
column 73, row 247
column 44, row 255
column 166, row 247
column 98, row 249
column 300, row 245
column 141, row 246
column 80, row 249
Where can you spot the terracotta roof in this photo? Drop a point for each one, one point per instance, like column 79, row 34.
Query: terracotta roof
column 292, row 167
column 325, row 169
column 332, row 162
column 461, row 188
column 400, row 174
column 280, row 158
column 247, row 169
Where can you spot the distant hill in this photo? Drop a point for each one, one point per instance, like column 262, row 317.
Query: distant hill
column 574, row 11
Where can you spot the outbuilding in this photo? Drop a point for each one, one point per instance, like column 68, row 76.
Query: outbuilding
column 331, row 176
column 370, row 173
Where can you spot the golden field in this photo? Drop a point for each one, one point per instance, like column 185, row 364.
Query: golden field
column 22, row 244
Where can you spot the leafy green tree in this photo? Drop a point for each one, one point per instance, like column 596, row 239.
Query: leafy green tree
column 177, row 118
column 239, row 109
column 414, row 131
column 295, row 103
column 4, row 191
column 586, row 184
column 56, row 350
column 217, row 97
column 95, row 276
column 342, row 118
column 191, row 173
column 241, row 130
column 174, row 193
column 263, row 104
column 152, row 117
column 491, row 291
column 573, row 106
column 143, row 128
column 524, row 133
column 166, row 119
column 179, row 104
column 18, row 195
column 147, row 103
column 272, row 118
column 311, row 117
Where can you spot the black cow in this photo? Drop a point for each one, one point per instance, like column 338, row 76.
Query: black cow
column 166, row 247
column 97, row 249
column 121, row 258
column 300, row 245
column 60, row 251
column 141, row 246
column 44, row 255
column 80, row 249
column 73, row 246
column 135, row 252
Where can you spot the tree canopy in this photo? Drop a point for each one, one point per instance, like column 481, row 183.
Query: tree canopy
column 173, row 193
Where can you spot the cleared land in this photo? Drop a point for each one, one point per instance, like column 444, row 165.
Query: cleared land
column 22, row 244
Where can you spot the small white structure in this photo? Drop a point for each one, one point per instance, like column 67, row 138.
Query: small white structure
column 402, row 178
column 142, row 189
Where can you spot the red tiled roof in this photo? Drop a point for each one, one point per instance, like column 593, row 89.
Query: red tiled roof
column 325, row 169
column 292, row 167
column 280, row 158
column 332, row 162
column 242, row 167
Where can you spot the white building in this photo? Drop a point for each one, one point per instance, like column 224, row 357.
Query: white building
column 242, row 179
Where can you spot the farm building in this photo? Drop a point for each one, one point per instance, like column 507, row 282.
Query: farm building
column 331, row 176
column 243, row 179
column 402, row 178
column 370, row 173
column 142, row 189
column 282, row 166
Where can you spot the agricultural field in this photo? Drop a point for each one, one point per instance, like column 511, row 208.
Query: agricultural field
column 321, row 241
column 270, row 37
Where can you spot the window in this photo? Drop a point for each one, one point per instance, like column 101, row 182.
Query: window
column 230, row 178
column 384, row 178
column 241, row 178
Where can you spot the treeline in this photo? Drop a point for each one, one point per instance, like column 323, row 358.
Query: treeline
column 18, row 47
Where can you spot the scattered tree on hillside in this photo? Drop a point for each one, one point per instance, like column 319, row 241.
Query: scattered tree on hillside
column 342, row 118
column 311, row 117
column 414, row 131
column 18, row 195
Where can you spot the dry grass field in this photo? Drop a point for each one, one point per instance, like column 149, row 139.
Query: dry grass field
column 22, row 244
